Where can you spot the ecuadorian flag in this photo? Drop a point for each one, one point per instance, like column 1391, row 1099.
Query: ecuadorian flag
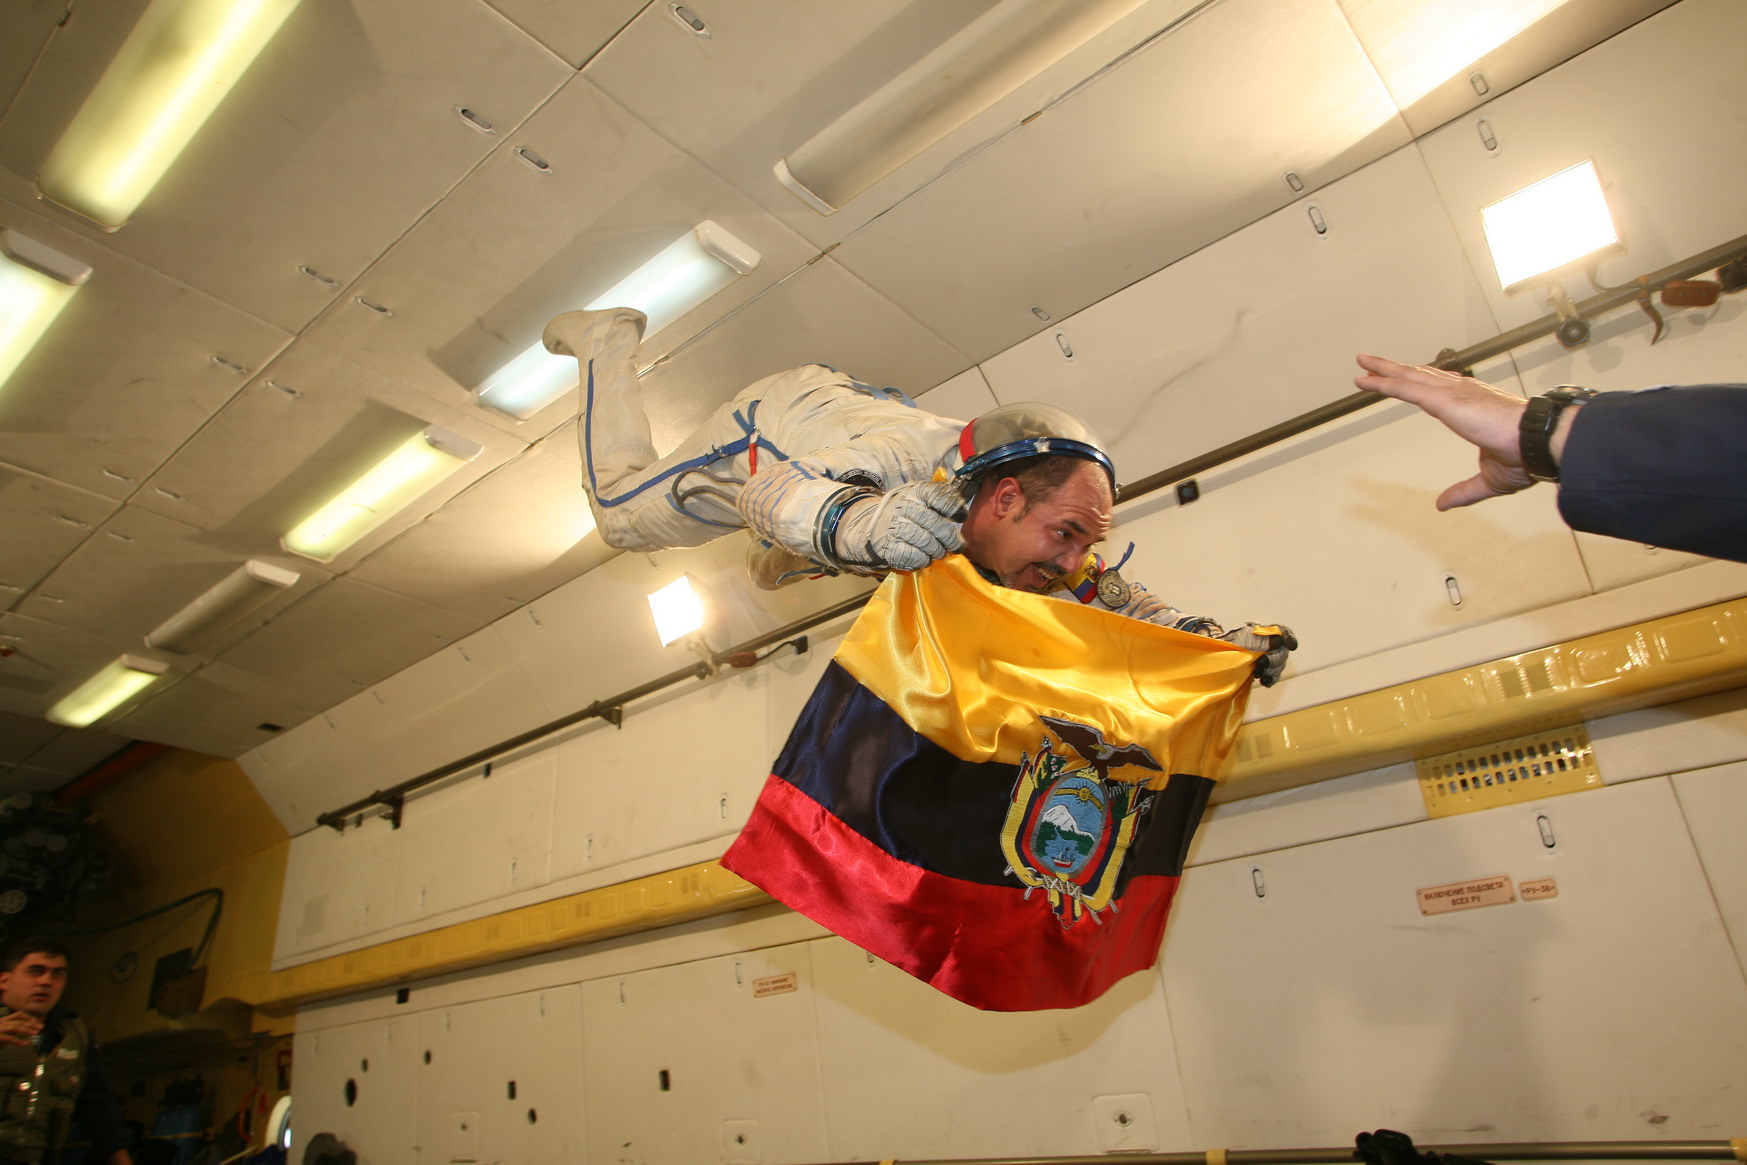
column 995, row 790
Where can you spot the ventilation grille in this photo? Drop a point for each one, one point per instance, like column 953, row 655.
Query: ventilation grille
column 1507, row 772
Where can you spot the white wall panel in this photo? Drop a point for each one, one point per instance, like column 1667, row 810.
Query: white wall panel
column 501, row 1082
column 912, row 1073
column 337, row 887
column 735, row 1064
column 679, row 770
column 1361, row 803
column 319, row 765
column 1615, row 1010
column 1671, row 738
column 1714, row 803
column 380, row 1062
column 476, row 838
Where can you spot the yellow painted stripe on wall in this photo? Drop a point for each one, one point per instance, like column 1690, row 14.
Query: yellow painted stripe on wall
column 1647, row 663
column 1670, row 658
column 696, row 891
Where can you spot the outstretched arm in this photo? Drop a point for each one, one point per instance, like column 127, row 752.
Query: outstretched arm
column 1480, row 414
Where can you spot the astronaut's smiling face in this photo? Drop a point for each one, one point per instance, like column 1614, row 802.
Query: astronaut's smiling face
column 1029, row 545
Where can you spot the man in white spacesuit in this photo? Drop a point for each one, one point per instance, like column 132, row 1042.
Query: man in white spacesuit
column 835, row 476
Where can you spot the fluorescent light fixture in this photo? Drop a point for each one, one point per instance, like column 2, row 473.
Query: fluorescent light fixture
column 228, row 600
column 106, row 691
column 419, row 463
column 690, row 270
column 678, row 610
column 1552, row 224
column 35, row 284
column 986, row 60
column 177, row 64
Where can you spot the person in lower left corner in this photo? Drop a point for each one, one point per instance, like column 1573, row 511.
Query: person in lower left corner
column 51, row 1073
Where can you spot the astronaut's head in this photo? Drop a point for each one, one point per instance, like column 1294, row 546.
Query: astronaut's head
column 1034, row 520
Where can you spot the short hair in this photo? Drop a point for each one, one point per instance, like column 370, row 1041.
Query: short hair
column 1039, row 477
column 17, row 952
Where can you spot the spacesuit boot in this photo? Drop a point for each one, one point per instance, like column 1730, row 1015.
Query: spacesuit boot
column 613, row 432
column 583, row 333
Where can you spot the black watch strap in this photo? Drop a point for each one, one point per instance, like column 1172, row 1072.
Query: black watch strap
column 1535, row 432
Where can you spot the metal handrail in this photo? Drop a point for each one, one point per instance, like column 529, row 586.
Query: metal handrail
column 1520, row 1151
column 393, row 798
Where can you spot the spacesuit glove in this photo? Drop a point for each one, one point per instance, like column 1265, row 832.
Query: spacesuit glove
column 1274, row 641
column 904, row 529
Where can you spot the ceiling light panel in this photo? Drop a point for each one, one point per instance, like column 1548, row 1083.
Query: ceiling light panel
column 175, row 67
column 1428, row 54
column 221, row 606
column 396, row 481
column 36, row 283
column 546, row 242
column 1549, row 225
column 101, row 407
column 111, row 688
column 1290, row 71
column 773, row 74
column 351, row 105
column 505, row 542
column 304, row 429
column 138, row 569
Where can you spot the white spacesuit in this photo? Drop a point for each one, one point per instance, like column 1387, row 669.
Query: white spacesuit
column 830, row 475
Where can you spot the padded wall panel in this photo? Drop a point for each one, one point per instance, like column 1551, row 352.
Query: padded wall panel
column 476, row 838
column 338, row 886
column 679, row 1061
column 1614, row 1010
column 1714, row 803
column 502, row 1081
column 1361, row 803
column 912, row 1073
column 360, row 1083
column 1672, row 738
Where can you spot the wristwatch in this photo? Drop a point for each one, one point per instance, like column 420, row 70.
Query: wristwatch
column 1535, row 432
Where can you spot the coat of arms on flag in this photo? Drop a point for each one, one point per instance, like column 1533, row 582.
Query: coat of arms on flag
column 995, row 791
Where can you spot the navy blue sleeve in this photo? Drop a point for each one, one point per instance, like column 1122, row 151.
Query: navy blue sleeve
column 96, row 1112
column 1666, row 466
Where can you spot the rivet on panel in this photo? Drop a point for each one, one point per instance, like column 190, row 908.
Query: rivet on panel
column 47, row 598
column 378, row 308
column 1042, row 315
column 284, row 388
column 1061, row 341
column 1487, row 137
column 533, row 159
column 724, row 808
column 535, row 619
column 622, row 994
column 171, row 494
column 737, row 982
column 324, row 280
column 1544, row 824
column 116, row 475
column 1317, row 223
column 72, row 521
column 1453, row 590
column 475, row 119
column 689, row 18
column 512, row 871
column 512, row 1089
column 1478, row 80
column 1256, row 881
column 462, row 652
column 230, row 364
column 1294, row 181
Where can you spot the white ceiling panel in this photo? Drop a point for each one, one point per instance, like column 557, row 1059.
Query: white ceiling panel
column 474, row 284
column 574, row 29
column 41, row 522
column 337, row 139
column 25, row 27
column 48, row 660
column 1147, row 359
column 140, row 568
column 1646, row 165
column 294, row 438
column 126, row 374
column 67, row 753
column 20, row 736
column 219, row 710
column 29, row 779
column 511, row 538
column 1184, row 143
column 1442, row 59
column 823, row 314
column 344, row 637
